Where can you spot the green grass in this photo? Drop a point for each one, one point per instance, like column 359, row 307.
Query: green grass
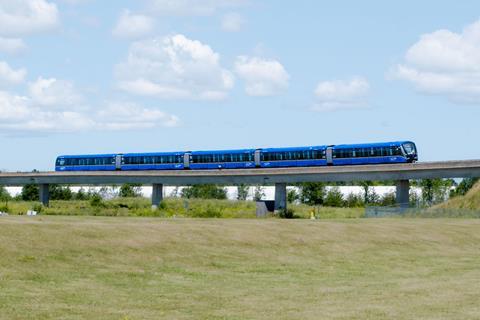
column 150, row 268
column 173, row 207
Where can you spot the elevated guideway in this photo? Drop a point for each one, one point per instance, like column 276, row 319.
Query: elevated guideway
column 280, row 177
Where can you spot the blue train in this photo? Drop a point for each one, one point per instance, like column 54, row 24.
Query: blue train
column 347, row 154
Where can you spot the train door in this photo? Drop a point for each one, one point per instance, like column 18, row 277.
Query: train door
column 186, row 160
column 118, row 162
column 329, row 156
column 257, row 157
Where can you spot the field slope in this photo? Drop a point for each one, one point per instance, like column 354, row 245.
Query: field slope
column 144, row 268
column 470, row 201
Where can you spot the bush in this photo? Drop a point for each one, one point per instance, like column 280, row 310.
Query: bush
column 96, row 201
column 287, row 214
column 60, row 193
column 30, row 192
column 388, row 200
column 334, row 198
column 354, row 201
column 204, row 191
column 292, row 196
column 312, row 193
column 206, row 212
column 38, row 208
column 4, row 195
column 130, row 191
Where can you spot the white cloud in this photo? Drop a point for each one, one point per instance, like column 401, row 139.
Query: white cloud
column 232, row 22
column 23, row 17
column 133, row 25
column 174, row 67
column 262, row 77
column 341, row 94
column 54, row 93
column 22, row 114
column 445, row 63
column 9, row 76
column 12, row 46
column 123, row 116
column 191, row 7
column 75, row 2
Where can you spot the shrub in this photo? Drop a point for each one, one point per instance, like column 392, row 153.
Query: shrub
column 292, row 196
column 334, row 198
column 96, row 201
column 354, row 201
column 37, row 207
column 312, row 193
column 204, row 191
column 30, row 192
column 130, row 191
column 287, row 214
column 206, row 212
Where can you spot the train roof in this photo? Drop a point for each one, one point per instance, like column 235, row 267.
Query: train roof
column 178, row 153
column 153, row 154
column 107, row 155
column 369, row 145
column 294, row 149
column 223, row 151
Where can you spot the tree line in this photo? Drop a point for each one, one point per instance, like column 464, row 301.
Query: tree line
column 433, row 191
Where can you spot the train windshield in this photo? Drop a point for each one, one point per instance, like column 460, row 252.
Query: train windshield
column 409, row 148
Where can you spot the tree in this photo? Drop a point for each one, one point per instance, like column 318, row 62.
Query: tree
column 354, row 201
column 388, row 200
column 4, row 195
column 130, row 191
column 30, row 192
column 334, row 198
column 435, row 190
column 259, row 193
column 204, row 191
column 366, row 191
column 292, row 196
column 58, row 192
column 312, row 193
column 464, row 186
column 242, row 192
column 82, row 195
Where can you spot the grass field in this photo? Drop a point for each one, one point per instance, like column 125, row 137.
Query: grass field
column 150, row 268
column 171, row 207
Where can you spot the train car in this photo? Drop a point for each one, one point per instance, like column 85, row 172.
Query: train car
column 334, row 155
column 225, row 159
column 153, row 161
column 98, row 162
column 293, row 157
column 372, row 153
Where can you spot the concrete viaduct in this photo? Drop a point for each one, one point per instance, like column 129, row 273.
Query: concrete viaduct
column 280, row 177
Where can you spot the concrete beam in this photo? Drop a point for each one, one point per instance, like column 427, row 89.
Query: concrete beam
column 44, row 194
column 263, row 176
column 157, row 195
column 280, row 196
column 403, row 193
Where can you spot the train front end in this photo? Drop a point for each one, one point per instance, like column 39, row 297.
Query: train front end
column 410, row 151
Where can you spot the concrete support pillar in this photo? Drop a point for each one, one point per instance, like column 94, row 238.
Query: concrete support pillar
column 157, row 195
column 280, row 196
column 44, row 194
column 403, row 191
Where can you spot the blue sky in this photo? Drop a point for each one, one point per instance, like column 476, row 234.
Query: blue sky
column 90, row 76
